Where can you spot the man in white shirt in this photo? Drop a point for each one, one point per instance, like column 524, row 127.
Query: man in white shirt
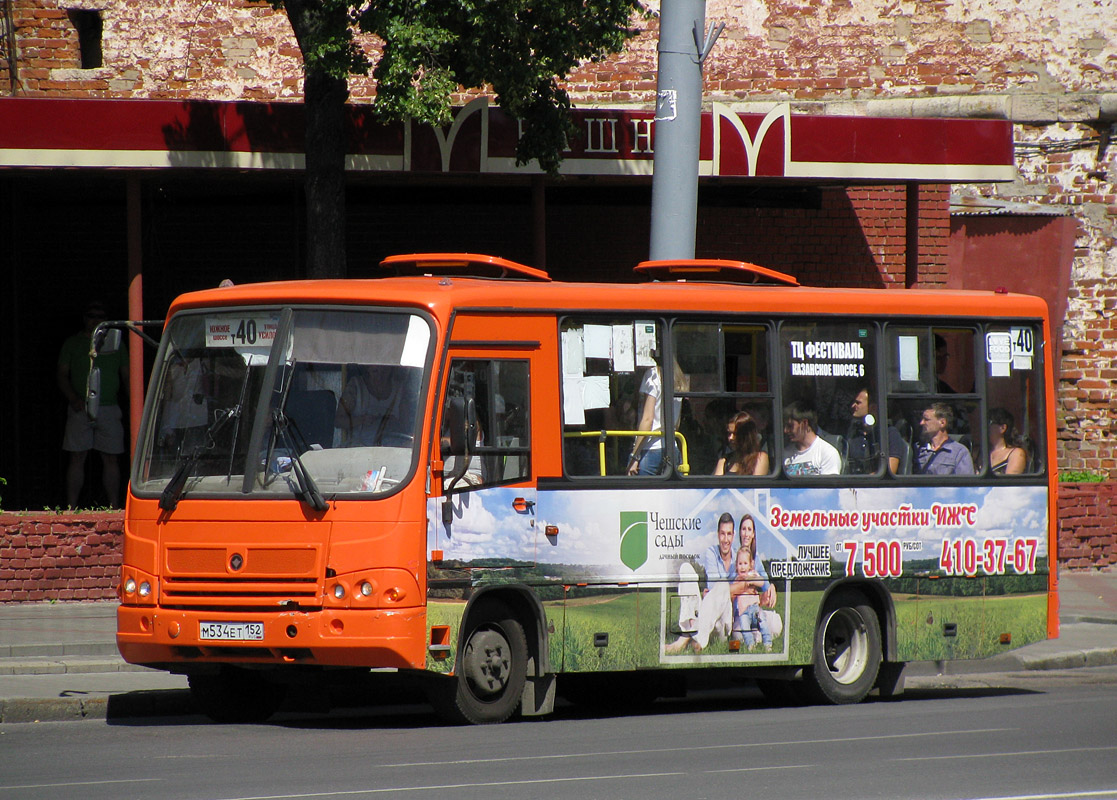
column 807, row 453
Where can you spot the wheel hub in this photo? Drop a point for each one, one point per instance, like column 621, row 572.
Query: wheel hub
column 486, row 662
column 845, row 646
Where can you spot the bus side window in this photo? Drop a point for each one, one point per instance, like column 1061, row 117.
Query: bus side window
column 498, row 391
column 728, row 393
column 831, row 393
column 610, row 368
column 1014, row 397
column 932, row 398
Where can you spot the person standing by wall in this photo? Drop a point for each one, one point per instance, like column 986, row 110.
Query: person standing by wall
column 105, row 434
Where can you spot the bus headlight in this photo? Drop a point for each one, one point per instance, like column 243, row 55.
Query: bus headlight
column 130, row 586
column 339, row 591
column 145, row 588
column 366, row 588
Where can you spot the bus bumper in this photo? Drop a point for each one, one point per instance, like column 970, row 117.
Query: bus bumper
column 343, row 637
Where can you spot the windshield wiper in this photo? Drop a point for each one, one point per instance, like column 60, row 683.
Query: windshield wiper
column 173, row 491
column 308, row 489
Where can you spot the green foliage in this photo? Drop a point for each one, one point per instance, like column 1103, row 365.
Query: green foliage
column 433, row 48
column 3, row 482
column 1082, row 476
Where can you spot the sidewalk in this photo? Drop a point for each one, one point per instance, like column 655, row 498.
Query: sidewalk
column 59, row 661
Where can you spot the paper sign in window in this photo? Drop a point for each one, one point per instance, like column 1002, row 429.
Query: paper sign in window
column 909, row 357
column 573, row 358
column 624, row 353
column 598, row 341
column 998, row 352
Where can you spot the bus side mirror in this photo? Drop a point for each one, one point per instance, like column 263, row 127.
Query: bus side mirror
column 106, row 340
column 461, row 433
column 93, row 393
column 455, row 425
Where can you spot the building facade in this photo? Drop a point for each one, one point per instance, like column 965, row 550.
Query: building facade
column 1047, row 70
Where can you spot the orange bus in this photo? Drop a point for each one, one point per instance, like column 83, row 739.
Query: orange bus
column 512, row 488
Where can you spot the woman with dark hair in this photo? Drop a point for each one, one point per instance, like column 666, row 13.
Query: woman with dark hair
column 1006, row 456
column 746, row 537
column 746, row 456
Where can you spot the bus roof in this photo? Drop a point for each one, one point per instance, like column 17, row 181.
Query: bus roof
column 442, row 294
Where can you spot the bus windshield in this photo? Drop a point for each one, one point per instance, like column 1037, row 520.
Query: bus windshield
column 279, row 401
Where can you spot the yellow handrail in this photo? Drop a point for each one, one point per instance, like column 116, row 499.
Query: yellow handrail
column 684, row 455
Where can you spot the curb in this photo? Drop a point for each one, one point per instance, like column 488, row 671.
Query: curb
column 1098, row 657
column 150, row 703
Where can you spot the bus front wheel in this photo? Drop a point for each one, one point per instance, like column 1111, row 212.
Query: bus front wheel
column 847, row 651
column 491, row 668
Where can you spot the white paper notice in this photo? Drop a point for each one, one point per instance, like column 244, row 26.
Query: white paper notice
column 598, row 341
column 645, row 342
column 998, row 353
column 573, row 357
column 573, row 412
column 909, row 358
column 595, row 391
column 624, row 353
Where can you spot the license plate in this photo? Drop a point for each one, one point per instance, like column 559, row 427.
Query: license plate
column 231, row 631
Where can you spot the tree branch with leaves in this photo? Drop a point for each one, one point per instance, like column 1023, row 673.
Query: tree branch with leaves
column 430, row 50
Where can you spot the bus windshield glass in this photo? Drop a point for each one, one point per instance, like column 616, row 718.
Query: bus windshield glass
column 276, row 402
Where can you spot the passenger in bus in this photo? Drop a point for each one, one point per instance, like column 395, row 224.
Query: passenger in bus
column 807, row 453
column 746, row 455
column 647, row 452
column 862, row 444
column 185, row 411
column 942, row 355
column 366, row 405
column 711, row 443
column 749, row 622
column 1006, row 455
column 939, row 454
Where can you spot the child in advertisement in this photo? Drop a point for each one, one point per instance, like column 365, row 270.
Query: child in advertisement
column 750, row 626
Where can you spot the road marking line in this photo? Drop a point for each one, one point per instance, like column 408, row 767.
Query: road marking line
column 444, row 786
column 652, row 751
column 1016, row 753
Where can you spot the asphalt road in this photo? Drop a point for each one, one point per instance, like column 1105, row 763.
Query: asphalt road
column 1050, row 734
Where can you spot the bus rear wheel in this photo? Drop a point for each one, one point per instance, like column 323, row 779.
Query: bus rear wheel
column 236, row 695
column 491, row 669
column 847, row 651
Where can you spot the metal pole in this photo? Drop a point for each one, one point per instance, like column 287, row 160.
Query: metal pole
column 677, row 128
column 135, row 306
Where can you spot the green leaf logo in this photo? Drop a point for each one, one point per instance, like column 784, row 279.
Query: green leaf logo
column 634, row 539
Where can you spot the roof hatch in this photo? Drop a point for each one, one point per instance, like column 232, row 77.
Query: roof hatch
column 462, row 265
column 713, row 270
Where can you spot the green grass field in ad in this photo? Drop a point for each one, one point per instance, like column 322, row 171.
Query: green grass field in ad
column 633, row 622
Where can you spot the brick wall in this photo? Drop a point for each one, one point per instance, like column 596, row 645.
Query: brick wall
column 1088, row 525
column 48, row 556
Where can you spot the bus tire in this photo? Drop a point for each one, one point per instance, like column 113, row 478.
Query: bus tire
column 491, row 668
column 847, row 650
column 236, row 695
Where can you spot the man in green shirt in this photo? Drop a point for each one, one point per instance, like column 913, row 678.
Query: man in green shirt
column 104, row 434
